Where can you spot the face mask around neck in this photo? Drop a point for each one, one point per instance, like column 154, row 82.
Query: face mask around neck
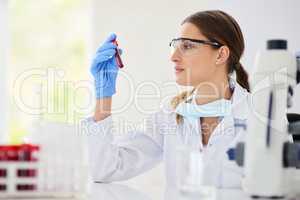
column 218, row 108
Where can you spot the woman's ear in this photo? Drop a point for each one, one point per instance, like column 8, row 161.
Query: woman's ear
column 222, row 55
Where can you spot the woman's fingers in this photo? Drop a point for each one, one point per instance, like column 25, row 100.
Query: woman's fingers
column 111, row 38
column 104, row 56
column 106, row 46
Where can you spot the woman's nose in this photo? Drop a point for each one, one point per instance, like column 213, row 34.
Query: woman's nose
column 175, row 55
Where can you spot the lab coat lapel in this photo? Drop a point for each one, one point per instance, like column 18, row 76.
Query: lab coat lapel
column 191, row 133
column 239, row 110
column 224, row 127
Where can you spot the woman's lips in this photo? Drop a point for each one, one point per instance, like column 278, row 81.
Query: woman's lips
column 178, row 69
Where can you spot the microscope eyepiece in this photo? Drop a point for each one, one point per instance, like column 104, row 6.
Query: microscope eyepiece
column 277, row 44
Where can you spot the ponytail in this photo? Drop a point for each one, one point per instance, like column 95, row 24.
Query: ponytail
column 242, row 76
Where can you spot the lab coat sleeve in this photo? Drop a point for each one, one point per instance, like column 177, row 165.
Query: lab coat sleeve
column 117, row 160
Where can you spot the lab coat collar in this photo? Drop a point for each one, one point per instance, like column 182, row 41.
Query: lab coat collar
column 239, row 101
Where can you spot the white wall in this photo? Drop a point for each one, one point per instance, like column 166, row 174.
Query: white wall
column 146, row 27
column 3, row 70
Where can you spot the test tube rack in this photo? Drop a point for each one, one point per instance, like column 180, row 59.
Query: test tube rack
column 25, row 173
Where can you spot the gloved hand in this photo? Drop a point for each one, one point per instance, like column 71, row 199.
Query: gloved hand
column 105, row 69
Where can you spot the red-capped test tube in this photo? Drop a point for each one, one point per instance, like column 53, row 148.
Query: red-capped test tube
column 118, row 57
column 24, row 152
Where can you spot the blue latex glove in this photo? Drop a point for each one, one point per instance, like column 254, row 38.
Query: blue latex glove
column 105, row 69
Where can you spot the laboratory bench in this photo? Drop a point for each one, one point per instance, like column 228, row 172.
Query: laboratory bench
column 119, row 191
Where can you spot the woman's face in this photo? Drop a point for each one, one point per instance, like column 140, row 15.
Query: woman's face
column 196, row 64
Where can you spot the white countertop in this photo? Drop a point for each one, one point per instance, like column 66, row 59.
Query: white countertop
column 124, row 192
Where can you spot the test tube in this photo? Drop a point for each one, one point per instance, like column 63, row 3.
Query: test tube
column 3, row 187
column 26, row 173
column 118, row 57
column 3, row 173
column 26, row 152
column 25, row 187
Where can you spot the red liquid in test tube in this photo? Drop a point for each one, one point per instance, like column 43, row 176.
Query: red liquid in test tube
column 118, row 57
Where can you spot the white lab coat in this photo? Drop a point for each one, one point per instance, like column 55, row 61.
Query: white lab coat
column 140, row 150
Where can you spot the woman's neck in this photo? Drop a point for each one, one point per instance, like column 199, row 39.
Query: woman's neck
column 212, row 90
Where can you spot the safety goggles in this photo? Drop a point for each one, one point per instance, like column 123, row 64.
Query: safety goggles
column 187, row 46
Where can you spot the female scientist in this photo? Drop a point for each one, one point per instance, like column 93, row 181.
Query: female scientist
column 209, row 118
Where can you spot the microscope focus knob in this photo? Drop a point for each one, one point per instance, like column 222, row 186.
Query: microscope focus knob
column 291, row 155
column 237, row 153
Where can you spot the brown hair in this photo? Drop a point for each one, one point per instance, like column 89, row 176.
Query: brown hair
column 219, row 27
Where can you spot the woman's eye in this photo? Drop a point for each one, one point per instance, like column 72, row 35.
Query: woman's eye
column 187, row 45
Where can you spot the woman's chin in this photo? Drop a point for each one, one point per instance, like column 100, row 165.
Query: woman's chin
column 182, row 82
